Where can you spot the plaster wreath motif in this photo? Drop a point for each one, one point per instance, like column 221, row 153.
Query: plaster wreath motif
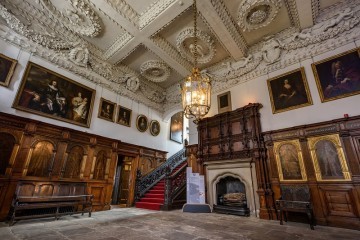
column 258, row 16
column 206, row 48
column 155, row 71
column 79, row 56
column 45, row 40
column 132, row 83
column 255, row 14
column 82, row 19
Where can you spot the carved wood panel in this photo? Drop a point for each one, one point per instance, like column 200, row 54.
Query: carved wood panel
column 48, row 153
column 335, row 188
column 339, row 201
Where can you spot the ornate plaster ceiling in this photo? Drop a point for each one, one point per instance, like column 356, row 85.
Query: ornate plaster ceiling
column 143, row 49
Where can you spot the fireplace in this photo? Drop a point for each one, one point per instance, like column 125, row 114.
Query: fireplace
column 231, row 197
column 231, row 187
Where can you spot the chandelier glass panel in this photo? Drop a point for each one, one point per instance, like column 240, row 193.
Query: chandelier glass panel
column 196, row 90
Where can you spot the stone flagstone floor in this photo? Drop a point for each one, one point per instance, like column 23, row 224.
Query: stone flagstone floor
column 132, row 223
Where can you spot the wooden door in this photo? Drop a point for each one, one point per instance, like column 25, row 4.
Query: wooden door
column 125, row 182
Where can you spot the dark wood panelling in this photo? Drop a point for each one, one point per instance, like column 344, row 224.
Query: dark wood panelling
column 237, row 135
column 335, row 202
column 27, row 133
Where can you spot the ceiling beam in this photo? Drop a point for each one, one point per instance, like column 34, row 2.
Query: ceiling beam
column 217, row 16
column 305, row 13
column 118, row 51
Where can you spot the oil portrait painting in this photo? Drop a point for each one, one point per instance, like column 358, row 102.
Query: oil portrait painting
column 338, row 76
column 107, row 110
column 289, row 91
column 52, row 95
column 7, row 68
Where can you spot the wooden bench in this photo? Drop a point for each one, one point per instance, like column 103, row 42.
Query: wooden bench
column 295, row 198
column 34, row 199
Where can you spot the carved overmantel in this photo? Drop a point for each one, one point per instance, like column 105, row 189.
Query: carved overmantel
column 233, row 140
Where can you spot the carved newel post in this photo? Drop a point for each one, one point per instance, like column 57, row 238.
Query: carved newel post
column 137, row 183
column 167, row 199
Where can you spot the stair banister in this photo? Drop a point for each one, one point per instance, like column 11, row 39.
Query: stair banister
column 144, row 183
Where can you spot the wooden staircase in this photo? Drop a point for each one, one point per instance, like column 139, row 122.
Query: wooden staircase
column 154, row 198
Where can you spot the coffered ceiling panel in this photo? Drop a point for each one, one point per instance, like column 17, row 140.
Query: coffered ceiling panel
column 141, row 6
column 179, row 34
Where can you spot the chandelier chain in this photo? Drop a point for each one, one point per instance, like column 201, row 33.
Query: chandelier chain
column 195, row 35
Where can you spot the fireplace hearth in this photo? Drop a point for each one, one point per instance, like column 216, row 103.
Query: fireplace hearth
column 231, row 197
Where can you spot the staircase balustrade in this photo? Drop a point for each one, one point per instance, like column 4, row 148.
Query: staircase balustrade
column 174, row 183
column 144, row 183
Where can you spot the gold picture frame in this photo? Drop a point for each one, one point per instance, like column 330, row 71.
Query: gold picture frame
column 50, row 94
column 289, row 91
column 289, row 161
column 7, row 68
column 124, row 116
column 142, row 123
column 338, row 76
column 328, row 158
column 107, row 110
column 224, row 102
column 154, row 127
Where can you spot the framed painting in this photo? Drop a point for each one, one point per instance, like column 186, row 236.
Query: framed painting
column 142, row 123
column 176, row 127
column 224, row 102
column 107, row 110
column 52, row 95
column 328, row 158
column 154, row 128
column 7, row 68
column 289, row 161
column 338, row 76
column 289, row 91
column 124, row 116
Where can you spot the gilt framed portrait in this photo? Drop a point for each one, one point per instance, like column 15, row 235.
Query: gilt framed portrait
column 328, row 158
column 124, row 116
column 7, row 68
column 224, row 102
column 52, row 95
column 107, row 110
column 289, row 91
column 338, row 76
column 142, row 123
column 176, row 127
column 289, row 161
column 154, row 128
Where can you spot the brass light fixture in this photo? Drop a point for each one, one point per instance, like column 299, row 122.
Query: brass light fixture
column 196, row 90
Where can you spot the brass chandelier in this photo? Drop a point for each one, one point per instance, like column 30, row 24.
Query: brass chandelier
column 196, row 90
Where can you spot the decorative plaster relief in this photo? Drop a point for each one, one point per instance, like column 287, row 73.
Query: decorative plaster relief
column 80, row 19
column 255, row 14
column 230, row 25
column 155, row 71
column 45, row 40
column 132, row 83
column 205, row 45
column 79, row 56
column 269, row 56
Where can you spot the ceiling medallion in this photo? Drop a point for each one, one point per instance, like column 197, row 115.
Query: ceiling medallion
column 80, row 17
column 155, row 71
column 255, row 14
column 205, row 47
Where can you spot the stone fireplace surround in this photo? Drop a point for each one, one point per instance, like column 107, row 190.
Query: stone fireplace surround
column 241, row 169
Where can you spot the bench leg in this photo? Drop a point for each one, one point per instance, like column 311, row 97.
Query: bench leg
column 281, row 216
column 310, row 216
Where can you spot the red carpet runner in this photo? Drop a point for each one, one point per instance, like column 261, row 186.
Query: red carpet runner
column 154, row 198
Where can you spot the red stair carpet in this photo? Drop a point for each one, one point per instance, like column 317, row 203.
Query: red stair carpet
column 154, row 198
